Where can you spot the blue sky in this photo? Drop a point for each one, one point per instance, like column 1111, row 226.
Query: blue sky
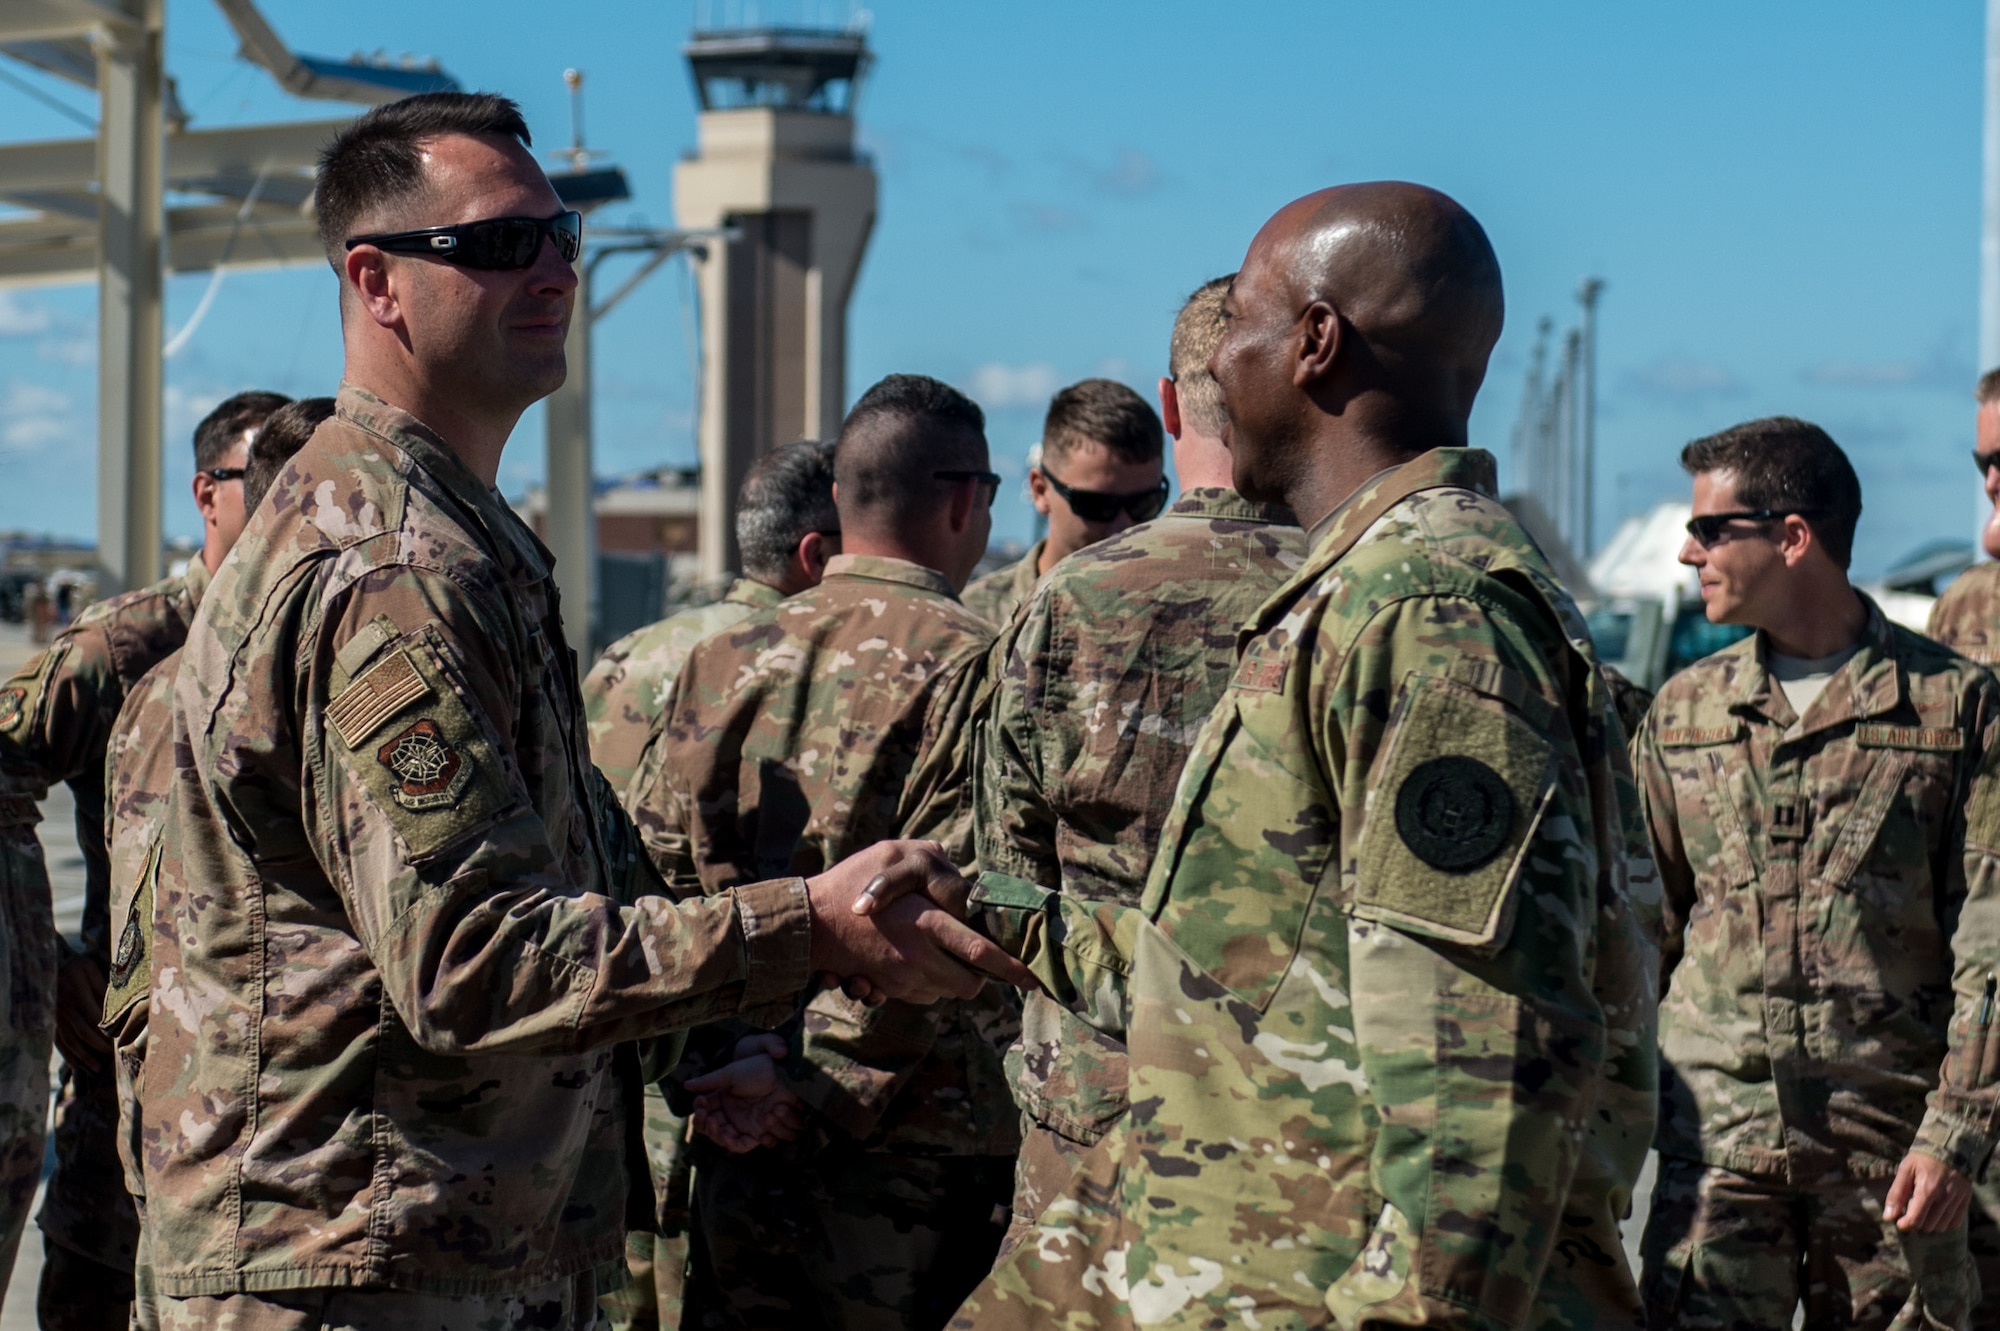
column 1782, row 197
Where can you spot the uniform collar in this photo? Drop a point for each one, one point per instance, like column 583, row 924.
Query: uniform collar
column 526, row 558
column 1220, row 502
column 1871, row 683
column 1439, row 469
column 755, row 594
column 196, row 580
column 882, row 568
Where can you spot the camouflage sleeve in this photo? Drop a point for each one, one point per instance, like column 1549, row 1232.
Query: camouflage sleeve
column 1013, row 826
column 1962, row 1117
column 660, row 806
column 1661, row 816
column 56, row 716
column 1081, row 951
column 935, row 805
column 1467, row 829
column 416, row 740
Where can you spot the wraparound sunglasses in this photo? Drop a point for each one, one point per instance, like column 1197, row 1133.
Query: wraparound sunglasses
column 498, row 244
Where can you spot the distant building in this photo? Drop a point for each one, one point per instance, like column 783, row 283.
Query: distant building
column 648, row 546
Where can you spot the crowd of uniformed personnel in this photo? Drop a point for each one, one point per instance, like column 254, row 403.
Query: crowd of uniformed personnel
column 1242, row 911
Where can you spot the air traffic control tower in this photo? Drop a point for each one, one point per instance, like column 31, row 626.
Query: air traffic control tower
column 777, row 170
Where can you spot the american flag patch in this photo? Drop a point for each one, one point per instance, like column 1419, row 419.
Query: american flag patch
column 384, row 689
column 1262, row 676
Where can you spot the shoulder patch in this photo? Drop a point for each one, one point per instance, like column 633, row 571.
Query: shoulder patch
column 1454, row 812
column 13, row 703
column 390, row 685
column 1695, row 737
column 1927, row 739
column 431, row 772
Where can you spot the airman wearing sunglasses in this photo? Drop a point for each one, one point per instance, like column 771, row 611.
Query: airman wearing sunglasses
column 864, row 1192
column 1967, row 617
column 399, row 923
column 1100, row 685
column 1100, row 472
column 56, row 717
column 1824, row 812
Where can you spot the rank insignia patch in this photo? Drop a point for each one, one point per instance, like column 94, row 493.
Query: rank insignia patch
column 1454, row 813
column 430, row 773
column 10, row 706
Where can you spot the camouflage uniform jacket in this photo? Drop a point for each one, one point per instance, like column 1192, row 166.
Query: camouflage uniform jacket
column 1967, row 617
column 1099, row 689
column 996, row 596
column 815, row 728
column 397, row 929
column 1832, row 886
column 1389, row 992
column 57, row 712
column 625, row 692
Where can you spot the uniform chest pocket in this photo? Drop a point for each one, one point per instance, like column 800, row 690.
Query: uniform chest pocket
column 1702, row 766
column 1897, row 815
column 1253, row 852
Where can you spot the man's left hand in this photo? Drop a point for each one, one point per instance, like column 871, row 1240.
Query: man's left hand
column 1928, row 1196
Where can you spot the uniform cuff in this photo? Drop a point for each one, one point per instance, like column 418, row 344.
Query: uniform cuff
column 1008, row 908
column 776, row 919
column 1963, row 1146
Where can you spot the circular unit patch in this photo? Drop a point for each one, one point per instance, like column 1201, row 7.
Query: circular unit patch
column 10, row 706
column 1454, row 813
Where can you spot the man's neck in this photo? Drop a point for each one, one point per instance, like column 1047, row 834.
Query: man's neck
column 477, row 437
column 213, row 552
column 1821, row 621
column 854, row 543
column 1334, row 469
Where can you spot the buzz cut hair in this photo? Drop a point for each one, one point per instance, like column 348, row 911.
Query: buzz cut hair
column 901, row 431
column 223, row 429
column 787, row 496
column 375, row 165
column 1787, row 465
column 283, row 434
column 1989, row 387
column 1197, row 333
column 1103, row 412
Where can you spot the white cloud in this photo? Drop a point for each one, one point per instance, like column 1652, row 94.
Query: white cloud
column 19, row 318
column 1681, row 377
column 25, row 399
column 31, row 434
column 1000, row 387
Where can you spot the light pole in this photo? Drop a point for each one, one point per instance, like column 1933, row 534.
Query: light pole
column 1586, row 296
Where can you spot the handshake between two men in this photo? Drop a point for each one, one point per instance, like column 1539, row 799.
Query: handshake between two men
column 888, row 922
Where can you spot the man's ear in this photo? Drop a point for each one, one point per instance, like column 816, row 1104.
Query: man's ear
column 370, row 287
column 1320, row 341
column 204, row 496
column 811, row 556
column 1798, row 541
column 1170, row 406
column 1038, row 490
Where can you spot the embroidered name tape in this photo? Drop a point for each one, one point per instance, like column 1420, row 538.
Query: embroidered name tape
column 1689, row 737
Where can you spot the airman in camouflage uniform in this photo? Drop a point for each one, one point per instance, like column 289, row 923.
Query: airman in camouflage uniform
column 786, row 529
column 1387, row 993
column 1826, row 823
column 63, row 706
column 1967, row 620
column 1099, row 688
column 829, row 722
column 399, row 922
column 1106, row 443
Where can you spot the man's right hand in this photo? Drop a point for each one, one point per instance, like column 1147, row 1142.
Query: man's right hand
column 892, row 916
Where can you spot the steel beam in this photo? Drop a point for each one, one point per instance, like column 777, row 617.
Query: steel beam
column 193, row 155
column 570, row 526
column 50, row 251
column 130, row 279
column 43, row 20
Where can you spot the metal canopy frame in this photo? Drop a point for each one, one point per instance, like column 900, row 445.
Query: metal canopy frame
column 96, row 208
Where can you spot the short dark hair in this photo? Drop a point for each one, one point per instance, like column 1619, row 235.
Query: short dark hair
column 377, row 161
column 284, row 434
column 1106, row 412
column 1197, row 333
column 788, row 494
column 903, row 429
column 1989, row 387
column 1787, row 465
column 223, row 428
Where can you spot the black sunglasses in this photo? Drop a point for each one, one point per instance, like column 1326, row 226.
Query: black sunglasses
column 1102, row 506
column 498, row 244
column 1985, row 461
column 220, row 474
column 989, row 479
column 1707, row 529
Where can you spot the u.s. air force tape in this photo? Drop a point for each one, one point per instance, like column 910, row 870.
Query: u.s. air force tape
column 1454, row 812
